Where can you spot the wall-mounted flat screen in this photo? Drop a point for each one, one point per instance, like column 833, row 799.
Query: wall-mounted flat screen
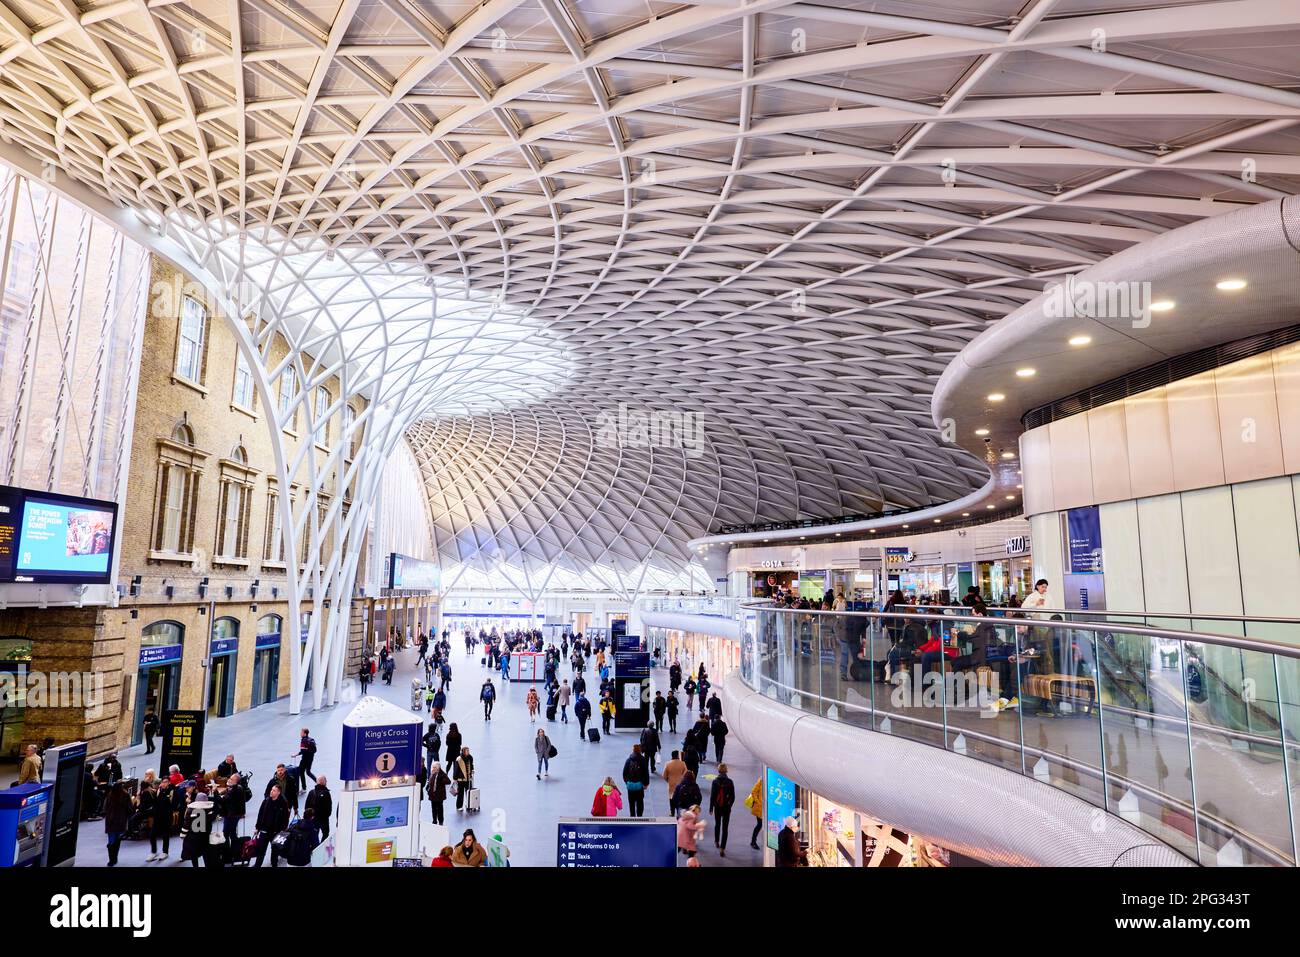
column 52, row 538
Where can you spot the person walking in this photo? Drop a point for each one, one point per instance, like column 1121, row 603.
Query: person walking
column 151, row 726
column 272, row 818
column 658, row 706
column 719, row 732
column 722, row 796
column 689, row 829
column 462, row 773
column 488, row 695
column 687, row 795
column 689, row 688
column 636, row 778
column 608, row 800
column 117, row 812
column 755, row 804
column 543, row 747
column 607, row 711
column 533, row 702
column 714, row 707
column 702, row 689
column 306, row 755
column 453, row 745
column 160, row 821
column 582, row 711
column 671, row 709
column 437, row 785
column 432, row 744
column 650, row 745
column 562, row 699
column 673, row 773
column 321, row 805
column 363, row 675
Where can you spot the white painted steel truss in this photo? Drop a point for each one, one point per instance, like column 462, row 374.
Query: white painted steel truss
column 782, row 217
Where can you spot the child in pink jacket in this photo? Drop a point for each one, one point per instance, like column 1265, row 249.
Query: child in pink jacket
column 689, row 829
column 608, row 800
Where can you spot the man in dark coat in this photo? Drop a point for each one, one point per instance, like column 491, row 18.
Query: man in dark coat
column 321, row 803
column 272, row 818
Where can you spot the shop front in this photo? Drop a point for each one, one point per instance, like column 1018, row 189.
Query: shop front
column 15, row 655
column 266, row 660
column 720, row 656
column 223, row 655
column 158, row 673
column 835, row 835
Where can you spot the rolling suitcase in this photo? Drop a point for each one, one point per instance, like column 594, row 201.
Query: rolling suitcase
column 550, row 712
column 593, row 735
column 471, row 801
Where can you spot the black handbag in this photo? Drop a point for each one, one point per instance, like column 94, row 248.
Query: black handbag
column 553, row 752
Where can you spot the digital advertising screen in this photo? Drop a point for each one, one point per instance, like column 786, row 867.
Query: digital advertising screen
column 382, row 813
column 55, row 538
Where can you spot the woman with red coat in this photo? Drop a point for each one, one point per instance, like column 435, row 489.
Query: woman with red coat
column 443, row 859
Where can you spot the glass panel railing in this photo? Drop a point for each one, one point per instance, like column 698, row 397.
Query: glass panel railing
column 713, row 605
column 1194, row 738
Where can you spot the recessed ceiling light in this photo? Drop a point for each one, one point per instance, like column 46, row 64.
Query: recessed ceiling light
column 873, row 531
column 907, row 526
column 1078, row 341
column 1011, row 498
column 1008, row 455
column 1019, row 486
column 988, row 506
column 996, row 397
column 839, row 533
column 1230, row 285
column 1026, row 373
column 937, row 521
column 965, row 514
column 981, row 431
column 1163, row 305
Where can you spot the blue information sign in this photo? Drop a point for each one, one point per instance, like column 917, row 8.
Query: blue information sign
column 1083, row 529
column 271, row 640
column 780, row 802
column 224, row 646
column 381, row 751
column 608, row 842
column 151, row 655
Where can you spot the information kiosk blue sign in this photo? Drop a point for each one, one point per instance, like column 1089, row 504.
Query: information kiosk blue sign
column 391, row 751
column 607, row 842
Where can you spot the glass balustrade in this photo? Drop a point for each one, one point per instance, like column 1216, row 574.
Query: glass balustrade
column 1192, row 737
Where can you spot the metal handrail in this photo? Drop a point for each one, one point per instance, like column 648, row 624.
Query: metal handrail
column 1207, row 816
column 1227, row 641
column 1137, row 614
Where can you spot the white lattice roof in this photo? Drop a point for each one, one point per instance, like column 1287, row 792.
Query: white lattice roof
column 782, row 217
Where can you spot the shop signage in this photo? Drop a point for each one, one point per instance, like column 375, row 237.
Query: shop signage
column 1083, row 537
column 780, row 801
column 224, row 646
column 772, row 563
column 604, row 842
column 151, row 655
column 380, row 751
column 898, row 555
column 1018, row 545
column 271, row 640
column 182, row 740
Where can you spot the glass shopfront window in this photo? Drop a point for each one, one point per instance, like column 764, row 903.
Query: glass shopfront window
column 158, row 679
column 15, row 654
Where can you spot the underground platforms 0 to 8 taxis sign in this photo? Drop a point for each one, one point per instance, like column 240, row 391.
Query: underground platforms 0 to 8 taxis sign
column 605, row 842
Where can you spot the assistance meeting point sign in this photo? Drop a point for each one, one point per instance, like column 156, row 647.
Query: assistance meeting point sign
column 610, row 842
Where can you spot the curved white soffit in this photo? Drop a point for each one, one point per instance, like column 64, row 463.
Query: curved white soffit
column 695, row 624
column 974, row 808
column 946, row 510
column 1260, row 244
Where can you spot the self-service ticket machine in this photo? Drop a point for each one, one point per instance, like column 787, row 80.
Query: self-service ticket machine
column 379, row 805
column 25, row 825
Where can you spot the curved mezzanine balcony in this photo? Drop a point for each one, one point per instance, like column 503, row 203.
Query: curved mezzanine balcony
column 1189, row 737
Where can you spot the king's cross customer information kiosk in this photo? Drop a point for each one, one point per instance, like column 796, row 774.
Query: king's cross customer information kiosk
column 379, row 806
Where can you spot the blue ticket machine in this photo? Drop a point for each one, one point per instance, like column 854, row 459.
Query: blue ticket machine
column 24, row 824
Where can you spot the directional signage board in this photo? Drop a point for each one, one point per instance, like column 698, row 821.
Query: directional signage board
column 610, row 842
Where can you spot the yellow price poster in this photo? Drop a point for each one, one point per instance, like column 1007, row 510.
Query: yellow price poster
column 379, row 850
